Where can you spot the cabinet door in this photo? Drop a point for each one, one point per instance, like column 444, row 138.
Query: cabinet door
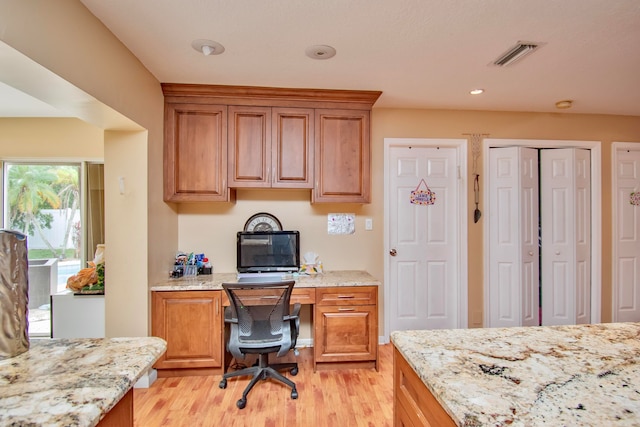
column 345, row 333
column 249, row 146
column 342, row 156
column 413, row 403
column 190, row 323
column 292, row 148
column 195, row 153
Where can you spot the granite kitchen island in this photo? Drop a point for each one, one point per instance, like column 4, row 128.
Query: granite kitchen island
column 584, row 375
column 75, row 382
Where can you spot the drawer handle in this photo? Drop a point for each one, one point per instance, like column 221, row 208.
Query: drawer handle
column 346, row 296
column 346, row 309
column 269, row 297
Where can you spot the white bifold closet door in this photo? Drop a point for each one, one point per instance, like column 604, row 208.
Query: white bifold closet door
column 539, row 222
column 565, row 187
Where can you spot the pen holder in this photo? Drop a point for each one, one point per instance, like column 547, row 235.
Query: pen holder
column 190, row 270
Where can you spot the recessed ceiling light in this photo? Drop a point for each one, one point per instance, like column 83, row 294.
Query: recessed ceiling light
column 207, row 47
column 320, row 52
column 476, row 91
column 562, row 105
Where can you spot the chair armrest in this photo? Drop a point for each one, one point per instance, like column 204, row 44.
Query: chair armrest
column 295, row 312
column 228, row 316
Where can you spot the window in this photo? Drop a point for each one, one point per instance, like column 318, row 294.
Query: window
column 60, row 207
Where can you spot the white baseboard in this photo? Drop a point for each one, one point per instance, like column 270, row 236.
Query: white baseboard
column 147, row 379
column 304, row 342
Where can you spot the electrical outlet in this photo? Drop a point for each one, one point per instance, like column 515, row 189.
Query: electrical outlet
column 368, row 224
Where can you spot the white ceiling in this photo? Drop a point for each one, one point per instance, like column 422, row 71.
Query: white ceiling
column 419, row 53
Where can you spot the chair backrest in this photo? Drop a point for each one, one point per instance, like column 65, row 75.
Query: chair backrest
column 259, row 316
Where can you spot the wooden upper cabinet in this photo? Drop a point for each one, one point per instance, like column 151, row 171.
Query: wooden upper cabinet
column 249, row 146
column 292, row 147
column 195, row 153
column 218, row 138
column 342, row 156
column 270, row 147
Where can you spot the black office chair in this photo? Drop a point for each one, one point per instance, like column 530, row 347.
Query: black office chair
column 261, row 323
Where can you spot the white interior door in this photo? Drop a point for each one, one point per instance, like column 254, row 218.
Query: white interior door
column 566, row 237
column 626, row 283
column 513, row 235
column 424, row 240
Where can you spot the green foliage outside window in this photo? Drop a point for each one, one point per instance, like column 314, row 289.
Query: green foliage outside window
column 35, row 188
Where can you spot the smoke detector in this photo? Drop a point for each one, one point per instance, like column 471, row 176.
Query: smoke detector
column 516, row 53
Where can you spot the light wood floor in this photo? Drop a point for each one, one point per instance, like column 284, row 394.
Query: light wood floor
column 333, row 397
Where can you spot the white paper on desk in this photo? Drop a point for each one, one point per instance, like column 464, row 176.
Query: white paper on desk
column 341, row 223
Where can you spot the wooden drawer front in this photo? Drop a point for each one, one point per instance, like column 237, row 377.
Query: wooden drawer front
column 347, row 295
column 346, row 333
column 299, row 295
column 414, row 405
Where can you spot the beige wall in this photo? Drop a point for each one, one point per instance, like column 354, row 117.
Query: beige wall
column 66, row 40
column 54, row 138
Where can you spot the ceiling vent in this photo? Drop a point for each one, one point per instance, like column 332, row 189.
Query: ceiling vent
column 516, row 53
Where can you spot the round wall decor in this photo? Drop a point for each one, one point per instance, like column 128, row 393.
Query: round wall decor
column 263, row 221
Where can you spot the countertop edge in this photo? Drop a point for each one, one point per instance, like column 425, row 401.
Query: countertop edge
column 337, row 278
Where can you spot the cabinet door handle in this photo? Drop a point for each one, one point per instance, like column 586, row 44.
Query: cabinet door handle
column 346, row 309
column 217, row 308
column 346, row 296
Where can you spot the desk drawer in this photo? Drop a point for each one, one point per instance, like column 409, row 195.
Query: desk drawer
column 299, row 295
column 347, row 295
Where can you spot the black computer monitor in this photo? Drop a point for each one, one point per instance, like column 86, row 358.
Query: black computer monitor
column 268, row 251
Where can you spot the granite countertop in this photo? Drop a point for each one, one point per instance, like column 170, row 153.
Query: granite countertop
column 72, row 382
column 214, row 281
column 585, row 375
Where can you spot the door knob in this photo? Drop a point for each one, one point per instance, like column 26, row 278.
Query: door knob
column 393, row 252
column 530, row 253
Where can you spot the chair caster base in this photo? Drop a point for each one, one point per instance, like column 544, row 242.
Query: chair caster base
column 223, row 383
column 241, row 403
column 294, row 394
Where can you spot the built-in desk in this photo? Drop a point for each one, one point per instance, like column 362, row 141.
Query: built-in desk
column 188, row 314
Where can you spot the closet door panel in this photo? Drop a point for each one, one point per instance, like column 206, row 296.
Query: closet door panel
column 566, row 241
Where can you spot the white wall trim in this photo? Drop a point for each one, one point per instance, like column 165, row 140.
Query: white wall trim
column 614, row 221
column 463, row 282
column 596, row 211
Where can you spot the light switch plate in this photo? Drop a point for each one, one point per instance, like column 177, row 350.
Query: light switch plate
column 368, row 224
